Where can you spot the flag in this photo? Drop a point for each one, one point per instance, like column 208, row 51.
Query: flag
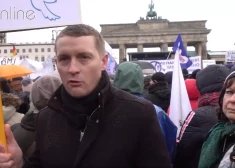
column 185, row 61
column 14, row 51
column 179, row 104
column 112, row 65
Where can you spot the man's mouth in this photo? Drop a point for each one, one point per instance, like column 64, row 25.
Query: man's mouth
column 75, row 83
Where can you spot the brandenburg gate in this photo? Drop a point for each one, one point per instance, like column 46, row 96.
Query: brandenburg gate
column 156, row 32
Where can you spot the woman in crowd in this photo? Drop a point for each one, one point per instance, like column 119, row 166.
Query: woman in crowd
column 222, row 136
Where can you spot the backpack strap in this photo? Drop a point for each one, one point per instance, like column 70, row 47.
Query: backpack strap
column 232, row 155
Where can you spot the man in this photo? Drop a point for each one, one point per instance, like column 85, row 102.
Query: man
column 88, row 122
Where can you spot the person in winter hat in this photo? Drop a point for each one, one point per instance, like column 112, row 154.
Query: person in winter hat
column 159, row 92
column 24, row 132
column 196, row 126
column 218, row 148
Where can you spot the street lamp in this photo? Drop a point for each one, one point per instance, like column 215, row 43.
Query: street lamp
column 56, row 32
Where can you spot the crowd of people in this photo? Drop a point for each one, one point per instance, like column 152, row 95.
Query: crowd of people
column 85, row 118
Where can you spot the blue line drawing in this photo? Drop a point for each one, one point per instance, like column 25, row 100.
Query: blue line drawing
column 158, row 66
column 41, row 6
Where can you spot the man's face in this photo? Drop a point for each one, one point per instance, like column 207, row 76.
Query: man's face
column 79, row 64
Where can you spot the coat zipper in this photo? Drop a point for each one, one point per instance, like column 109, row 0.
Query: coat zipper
column 97, row 121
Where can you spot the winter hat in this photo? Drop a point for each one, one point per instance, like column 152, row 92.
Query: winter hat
column 26, row 81
column 233, row 68
column 158, row 77
column 231, row 75
column 211, row 78
column 229, row 66
column 43, row 89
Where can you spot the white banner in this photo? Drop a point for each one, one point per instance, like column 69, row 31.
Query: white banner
column 10, row 61
column 197, row 64
column 230, row 56
column 168, row 65
column 30, row 14
column 206, row 63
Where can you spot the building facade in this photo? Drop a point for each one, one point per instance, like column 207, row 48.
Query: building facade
column 34, row 51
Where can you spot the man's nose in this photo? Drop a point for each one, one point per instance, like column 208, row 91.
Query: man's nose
column 74, row 67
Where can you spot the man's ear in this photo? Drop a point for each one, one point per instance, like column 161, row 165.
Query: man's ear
column 104, row 61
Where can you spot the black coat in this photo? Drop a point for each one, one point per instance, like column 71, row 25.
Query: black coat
column 194, row 132
column 160, row 95
column 24, row 133
column 123, row 133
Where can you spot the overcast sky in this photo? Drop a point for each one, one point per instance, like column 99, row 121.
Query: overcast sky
column 220, row 16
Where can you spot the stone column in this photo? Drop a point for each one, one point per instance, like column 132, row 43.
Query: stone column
column 140, row 48
column 204, row 50
column 122, row 52
column 185, row 46
column 198, row 49
column 164, row 47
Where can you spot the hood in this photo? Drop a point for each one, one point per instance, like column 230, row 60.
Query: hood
column 192, row 90
column 8, row 112
column 129, row 77
column 42, row 90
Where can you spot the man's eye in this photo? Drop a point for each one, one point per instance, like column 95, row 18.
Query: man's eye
column 85, row 57
column 63, row 59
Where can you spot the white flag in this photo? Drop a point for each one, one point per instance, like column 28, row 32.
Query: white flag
column 180, row 105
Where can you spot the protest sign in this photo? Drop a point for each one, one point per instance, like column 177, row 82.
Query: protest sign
column 168, row 65
column 206, row 63
column 9, row 61
column 230, row 56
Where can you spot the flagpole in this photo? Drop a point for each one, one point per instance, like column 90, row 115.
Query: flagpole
column 168, row 55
